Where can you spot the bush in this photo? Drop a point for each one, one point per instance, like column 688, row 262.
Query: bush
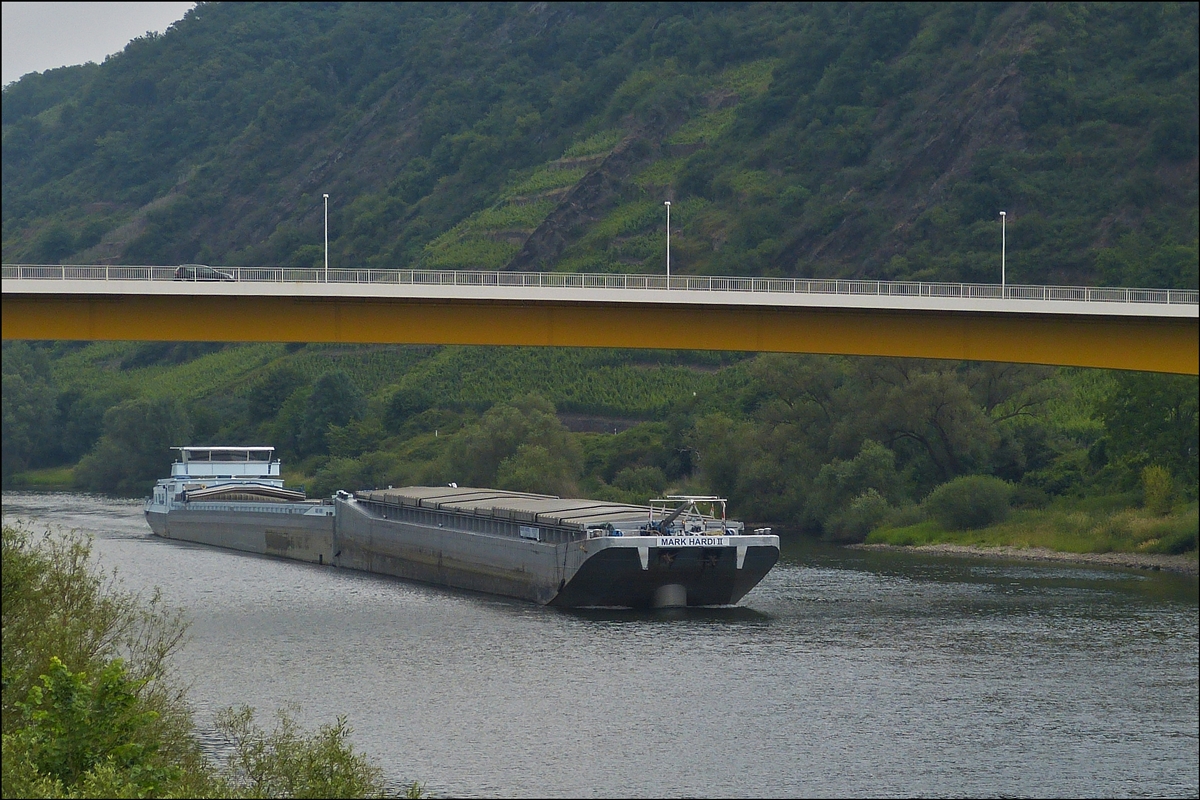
column 1157, row 489
column 969, row 502
column 1181, row 541
column 905, row 515
column 57, row 606
column 1026, row 496
column 865, row 513
column 72, row 725
column 1177, row 533
column 643, row 482
column 287, row 762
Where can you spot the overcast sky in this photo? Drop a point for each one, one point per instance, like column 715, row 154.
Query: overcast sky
column 42, row 36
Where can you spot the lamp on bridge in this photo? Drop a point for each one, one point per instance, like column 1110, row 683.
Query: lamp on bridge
column 668, row 205
column 1002, row 248
column 326, row 238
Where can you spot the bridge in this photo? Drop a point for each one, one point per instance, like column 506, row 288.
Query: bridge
column 1153, row 330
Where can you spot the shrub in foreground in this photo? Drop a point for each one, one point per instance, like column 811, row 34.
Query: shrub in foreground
column 89, row 709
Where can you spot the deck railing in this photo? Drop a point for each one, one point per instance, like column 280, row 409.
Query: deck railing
column 586, row 280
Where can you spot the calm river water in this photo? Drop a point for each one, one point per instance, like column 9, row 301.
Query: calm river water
column 843, row 674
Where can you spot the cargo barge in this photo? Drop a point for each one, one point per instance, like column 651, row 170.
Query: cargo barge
column 571, row 552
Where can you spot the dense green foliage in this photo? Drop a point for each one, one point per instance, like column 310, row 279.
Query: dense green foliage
column 133, row 445
column 869, row 139
column 86, row 737
column 90, row 709
column 288, row 762
column 87, row 699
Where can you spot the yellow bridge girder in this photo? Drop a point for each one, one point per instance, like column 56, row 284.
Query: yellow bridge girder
column 1109, row 342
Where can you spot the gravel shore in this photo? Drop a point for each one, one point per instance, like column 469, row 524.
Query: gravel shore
column 1185, row 563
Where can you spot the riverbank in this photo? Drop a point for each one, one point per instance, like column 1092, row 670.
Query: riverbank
column 1184, row 563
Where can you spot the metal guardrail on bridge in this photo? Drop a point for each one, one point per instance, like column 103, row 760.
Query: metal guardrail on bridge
column 585, row 280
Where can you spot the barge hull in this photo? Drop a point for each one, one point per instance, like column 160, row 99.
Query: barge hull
column 616, row 571
column 446, row 557
column 298, row 536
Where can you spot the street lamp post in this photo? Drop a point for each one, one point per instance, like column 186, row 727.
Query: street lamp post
column 326, row 238
column 1003, row 247
column 668, row 205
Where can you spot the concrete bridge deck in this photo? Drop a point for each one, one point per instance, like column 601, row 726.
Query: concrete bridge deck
column 1119, row 328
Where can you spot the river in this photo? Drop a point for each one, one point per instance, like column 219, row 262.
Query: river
column 844, row 674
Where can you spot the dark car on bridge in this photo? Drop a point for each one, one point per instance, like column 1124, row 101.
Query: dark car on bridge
column 201, row 272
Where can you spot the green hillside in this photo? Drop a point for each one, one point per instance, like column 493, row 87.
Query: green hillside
column 799, row 139
column 830, row 139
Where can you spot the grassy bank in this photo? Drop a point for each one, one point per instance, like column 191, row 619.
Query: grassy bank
column 50, row 479
column 1069, row 527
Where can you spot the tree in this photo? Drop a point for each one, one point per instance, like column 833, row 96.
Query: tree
column 268, row 395
column 53, row 244
column 1151, row 419
column 30, row 412
column 533, row 468
column 723, row 447
column 841, row 482
column 135, row 448
column 925, row 412
column 82, row 422
column 334, row 401
column 523, row 442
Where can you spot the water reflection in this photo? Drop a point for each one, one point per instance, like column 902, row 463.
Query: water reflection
column 722, row 615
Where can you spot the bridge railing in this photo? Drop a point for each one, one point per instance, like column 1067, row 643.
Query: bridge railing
column 586, row 280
